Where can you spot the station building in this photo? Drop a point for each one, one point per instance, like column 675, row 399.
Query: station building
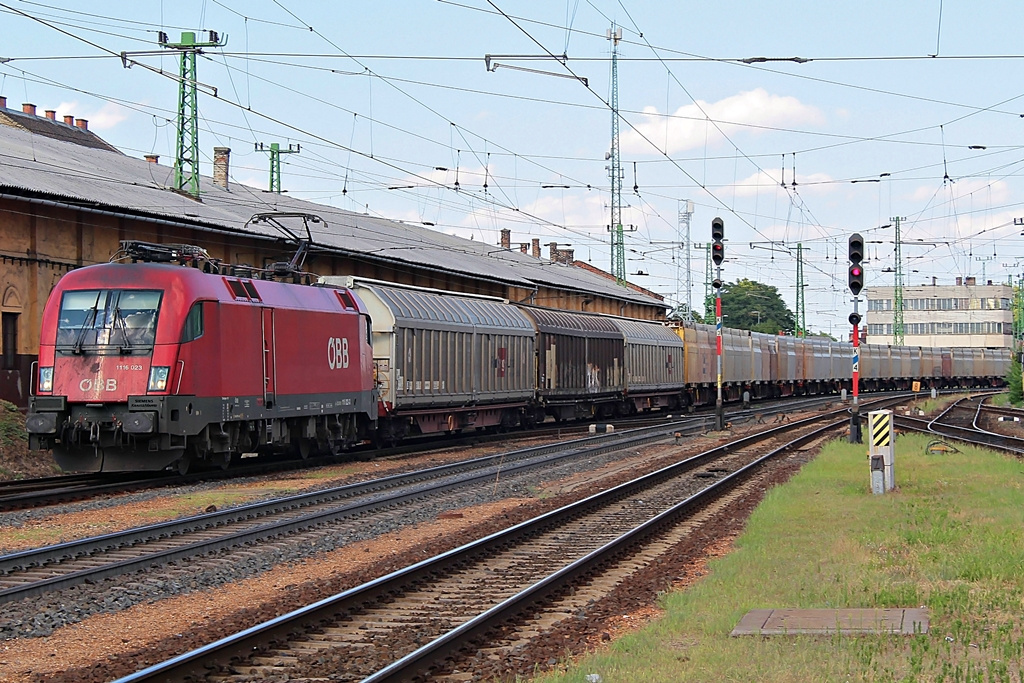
column 68, row 198
column 961, row 314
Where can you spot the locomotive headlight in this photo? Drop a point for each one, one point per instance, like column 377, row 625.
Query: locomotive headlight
column 158, row 378
column 46, row 379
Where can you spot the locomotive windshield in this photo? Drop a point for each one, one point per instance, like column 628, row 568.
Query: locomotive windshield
column 108, row 321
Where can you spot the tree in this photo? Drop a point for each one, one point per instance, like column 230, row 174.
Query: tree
column 750, row 305
column 1013, row 380
column 678, row 314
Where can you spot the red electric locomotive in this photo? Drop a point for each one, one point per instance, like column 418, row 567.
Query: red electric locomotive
column 145, row 366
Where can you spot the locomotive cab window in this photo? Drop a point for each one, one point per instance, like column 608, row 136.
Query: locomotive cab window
column 108, row 321
column 193, row 328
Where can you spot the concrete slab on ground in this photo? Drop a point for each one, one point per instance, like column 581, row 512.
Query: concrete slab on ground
column 789, row 622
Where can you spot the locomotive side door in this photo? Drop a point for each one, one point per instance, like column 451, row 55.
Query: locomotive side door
column 269, row 359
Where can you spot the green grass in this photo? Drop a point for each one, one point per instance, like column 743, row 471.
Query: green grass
column 1001, row 399
column 950, row 538
column 12, row 425
column 934, row 405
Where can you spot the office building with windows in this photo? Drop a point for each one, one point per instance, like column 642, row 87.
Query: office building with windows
column 964, row 314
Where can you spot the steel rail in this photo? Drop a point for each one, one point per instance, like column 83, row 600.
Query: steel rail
column 466, row 473
column 222, row 652
column 985, row 439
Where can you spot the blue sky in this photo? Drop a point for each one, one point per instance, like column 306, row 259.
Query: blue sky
column 382, row 96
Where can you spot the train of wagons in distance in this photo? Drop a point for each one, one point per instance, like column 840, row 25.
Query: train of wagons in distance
column 147, row 365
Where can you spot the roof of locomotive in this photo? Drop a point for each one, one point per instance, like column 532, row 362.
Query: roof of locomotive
column 41, row 167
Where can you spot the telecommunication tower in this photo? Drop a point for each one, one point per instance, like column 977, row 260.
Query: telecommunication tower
column 615, row 169
column 685, row 214
column 186, row 159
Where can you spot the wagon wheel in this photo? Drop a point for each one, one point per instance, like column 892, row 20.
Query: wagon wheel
column 327, row 446
column 184, row 463
column 303, row 447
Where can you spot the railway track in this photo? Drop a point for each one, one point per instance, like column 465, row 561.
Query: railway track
column 960, row 421
column 29, row 493
column 409, row 623
column 42, row 570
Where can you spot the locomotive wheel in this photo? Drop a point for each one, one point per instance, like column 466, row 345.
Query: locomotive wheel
column 225, row 460
column 185, row 462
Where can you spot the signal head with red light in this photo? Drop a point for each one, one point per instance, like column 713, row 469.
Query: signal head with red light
column 717, row 245
column 856, row 269
column 856, row 278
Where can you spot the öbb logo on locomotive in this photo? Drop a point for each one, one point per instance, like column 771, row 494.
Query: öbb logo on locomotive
column 149, row 366
column 87, row 384
column 337, row 353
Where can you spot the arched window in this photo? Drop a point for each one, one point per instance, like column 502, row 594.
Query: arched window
column 11, row 305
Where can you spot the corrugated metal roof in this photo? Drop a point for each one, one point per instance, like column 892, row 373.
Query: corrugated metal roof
column 98, row 178
column 642, row 332
column 563, row 322
column 416, row 306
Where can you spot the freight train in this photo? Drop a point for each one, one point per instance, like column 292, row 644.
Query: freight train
column 147, row 365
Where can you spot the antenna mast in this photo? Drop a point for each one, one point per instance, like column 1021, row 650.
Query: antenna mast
column 615, row 170
column 685, row 214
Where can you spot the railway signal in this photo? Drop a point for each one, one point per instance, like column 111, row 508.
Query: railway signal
column 856, row 254
column 717, row 245
column 856, row 269
column 718, row 255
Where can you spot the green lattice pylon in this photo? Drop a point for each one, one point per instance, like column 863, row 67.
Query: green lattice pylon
column 1018, row 314
column 801, row 307
column 898, row 338
column 275, row 152
column 186, row 155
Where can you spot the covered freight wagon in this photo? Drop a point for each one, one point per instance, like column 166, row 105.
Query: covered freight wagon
column 580, row 362
column 446, row 362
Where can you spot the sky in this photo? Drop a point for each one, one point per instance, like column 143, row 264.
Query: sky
column 859, row 113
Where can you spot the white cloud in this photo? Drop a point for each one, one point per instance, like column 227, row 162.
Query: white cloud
column 770, row 180
column 983, row 190
column 689, row 129
column 104, row 118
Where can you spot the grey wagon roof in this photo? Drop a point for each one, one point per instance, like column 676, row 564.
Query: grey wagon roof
column 647, row 333
column 564, row 322
column 415, row 307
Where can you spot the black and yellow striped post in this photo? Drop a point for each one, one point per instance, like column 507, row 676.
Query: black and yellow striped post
column 883, row 443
